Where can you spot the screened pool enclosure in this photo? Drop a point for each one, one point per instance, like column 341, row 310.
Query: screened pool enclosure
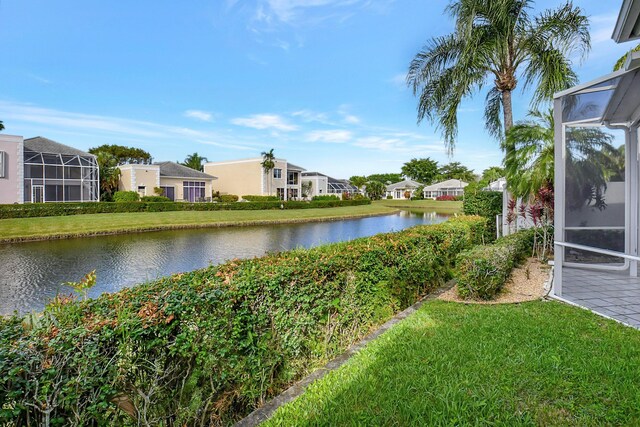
column 596, row 185
column 50, row 177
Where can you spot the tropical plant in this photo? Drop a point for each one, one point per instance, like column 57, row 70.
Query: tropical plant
column 529, row 164
column 620, row 62
column 375, row 190
column 268, row 164
column 421, row 170
column 194, row 161
column 496, row 41
column 492, row 173
column 385, row 178
column 358, row 181
column 109, row 174
column 1, row 125
column 305, row 188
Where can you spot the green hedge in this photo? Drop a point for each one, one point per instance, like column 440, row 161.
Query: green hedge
column 125, row 196
column 326, row 197
column 261, row 198
column 29, row 210
column 155, row 199
column 207, row 347
column 481, row 272
column 484, row 203
column 228, row 198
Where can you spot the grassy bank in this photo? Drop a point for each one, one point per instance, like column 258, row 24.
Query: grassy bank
column 440, row 206
column 18, row 229
column 539, row 363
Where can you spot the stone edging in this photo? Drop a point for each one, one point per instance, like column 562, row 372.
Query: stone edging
column 267, row 410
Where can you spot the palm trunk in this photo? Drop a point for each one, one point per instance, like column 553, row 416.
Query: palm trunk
column 507, row 110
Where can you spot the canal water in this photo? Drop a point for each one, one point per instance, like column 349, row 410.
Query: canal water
column 32, row 273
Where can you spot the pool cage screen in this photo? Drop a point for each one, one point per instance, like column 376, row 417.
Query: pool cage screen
column 340, row 187
column 60, row 178
column 596, row 174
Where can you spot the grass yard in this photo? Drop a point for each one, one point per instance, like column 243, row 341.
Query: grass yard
column 537, row 363
column 77, row 225
column 440, row 206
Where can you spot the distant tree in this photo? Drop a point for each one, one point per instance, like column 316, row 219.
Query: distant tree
column 195, row 161
column 109, row 174
column 422, row 170
column 1, row 125
column 124, row 154
column 492, row 174
column 500, row 43
column 621, row 61
column 385, row 178
column 358, row 181
column 455, row 170
column 375, row 190
column 268, row 164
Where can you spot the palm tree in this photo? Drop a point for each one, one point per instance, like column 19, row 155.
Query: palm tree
column 375, row 190
column 498, row 42
column 194, row 161
column 529, row 164
column 268, row 164
column 1, row 125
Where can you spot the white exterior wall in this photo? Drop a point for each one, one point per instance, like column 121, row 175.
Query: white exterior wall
column 12, row 185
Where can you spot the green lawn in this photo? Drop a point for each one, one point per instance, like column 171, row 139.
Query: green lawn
column 25, row 228
column 441, row 206
column 538, row 363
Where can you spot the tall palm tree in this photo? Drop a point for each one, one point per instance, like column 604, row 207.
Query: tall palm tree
column 268, row 164
column 496, row 42
column 529, row 165
column 195, row 161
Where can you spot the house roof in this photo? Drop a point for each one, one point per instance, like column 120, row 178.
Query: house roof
column 40, row 144
column 449, row 183
column 175, row 170
column 497, row 185
column 628, row 25
column 291, row 166
column 313, row 174
column 407, row 183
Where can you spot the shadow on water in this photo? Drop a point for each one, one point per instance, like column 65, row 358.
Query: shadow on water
column 32, row 273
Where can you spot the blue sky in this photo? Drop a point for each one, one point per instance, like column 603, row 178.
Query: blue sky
column 320, row 81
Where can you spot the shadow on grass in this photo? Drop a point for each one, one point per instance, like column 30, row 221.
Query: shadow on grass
column 539, row 363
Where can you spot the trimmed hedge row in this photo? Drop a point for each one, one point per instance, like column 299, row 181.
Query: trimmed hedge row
column 206, row 347
column 481, row 272
column 261, row 198
column 29, row 210
column 484, row 203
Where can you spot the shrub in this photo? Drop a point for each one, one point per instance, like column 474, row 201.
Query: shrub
column 125, row 196
column 487, row 204
column 325, row 197
column 389, row 197
column 261, row 198
column 208, row 346
column 481, row 272
column 446, row 198
column 228, row 198
column 155, row 199
column 30, row 210
column 358, row 196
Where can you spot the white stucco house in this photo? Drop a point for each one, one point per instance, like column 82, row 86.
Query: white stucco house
column 450, row 187
column 402, row 189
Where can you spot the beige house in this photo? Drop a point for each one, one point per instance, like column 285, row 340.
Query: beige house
column 177, row 182
column 402, row 189
column 450, row 187
column 246, row 177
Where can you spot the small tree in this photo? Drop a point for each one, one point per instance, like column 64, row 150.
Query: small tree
column 1, row 125
column 268, row 164
column 109, row 175
column 375, row 190
column 305, row 188
column 358, row 181
column 421, row 170
column 195, row 161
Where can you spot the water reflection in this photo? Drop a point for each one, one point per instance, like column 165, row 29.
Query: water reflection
column 32, row 273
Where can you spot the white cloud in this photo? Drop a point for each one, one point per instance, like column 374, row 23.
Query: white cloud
column 399, row 80
column 264, row 121
column 30, row 117
column 351, row 119
column 199, row 115
column 332, row 136
column 311, row 116
column 390, row 144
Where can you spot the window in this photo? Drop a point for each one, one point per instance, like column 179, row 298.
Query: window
column 280, row 193
column 169, row 192
column 277, row 173
column 3, row 162
column 292, row 178
column 193, row 191
column 142, row 190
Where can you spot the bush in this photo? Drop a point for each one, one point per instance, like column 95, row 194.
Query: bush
column 446, row 198
column 358, row 196
column 30, row 210
column 487, row 204
column 389, row 197
column 206, row 347
column 325, row 197
column 155, row 199
column 261, row 198
column 125, row 196
column 228, row 198
column 481, row 272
